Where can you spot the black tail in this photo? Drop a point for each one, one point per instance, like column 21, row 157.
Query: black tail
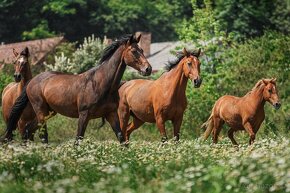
column 15, row 114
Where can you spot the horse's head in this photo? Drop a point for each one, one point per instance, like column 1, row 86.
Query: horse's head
column 20, row 63
column 270, row 92
column 134, row 57
column 191, row 67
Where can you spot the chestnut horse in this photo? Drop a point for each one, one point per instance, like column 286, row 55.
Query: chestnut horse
column 85, row 96
column 160, row 100
column 11, row 92
column 242, row 113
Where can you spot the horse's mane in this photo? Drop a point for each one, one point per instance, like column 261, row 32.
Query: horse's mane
column 109, row 50
column 179, row 56
column 260, row 84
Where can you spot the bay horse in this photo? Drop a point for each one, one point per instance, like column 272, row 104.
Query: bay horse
column 160, row 100
column 242, row 113
column 85, row 96
column 22, row 75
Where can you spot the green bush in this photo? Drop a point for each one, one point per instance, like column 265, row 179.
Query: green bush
column 5, row 79
column 84, row 58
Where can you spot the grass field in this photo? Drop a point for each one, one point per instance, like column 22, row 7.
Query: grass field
column 105, row 166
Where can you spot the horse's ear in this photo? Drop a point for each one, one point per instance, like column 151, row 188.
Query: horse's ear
column 185, row 52
column 15, row 52
column 198, row 52
column 265, row 81
column 130, row 41
column 138, row 38
column 25, row 52
column 273, row 80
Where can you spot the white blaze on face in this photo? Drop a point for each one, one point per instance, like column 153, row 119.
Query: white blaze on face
column 21, row 60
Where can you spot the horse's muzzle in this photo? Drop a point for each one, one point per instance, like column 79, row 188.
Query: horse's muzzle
column 17, row 77
column 197, row 82
column 146, row 71
column 277, row 105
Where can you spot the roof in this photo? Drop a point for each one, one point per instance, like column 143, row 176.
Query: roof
column 38, row 49
column 161, row 53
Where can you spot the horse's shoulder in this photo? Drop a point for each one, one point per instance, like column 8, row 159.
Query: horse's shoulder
column 10, row 86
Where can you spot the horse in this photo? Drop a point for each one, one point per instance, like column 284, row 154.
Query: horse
column 160, row 100
column 85, row 96
column 22, row 76
column 242, row 113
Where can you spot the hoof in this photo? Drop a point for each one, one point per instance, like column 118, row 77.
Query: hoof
column 44, row 141
column 164, row 139
column 125, row 144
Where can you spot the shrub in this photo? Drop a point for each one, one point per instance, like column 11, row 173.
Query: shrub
column 5, row 79
column 84, row 58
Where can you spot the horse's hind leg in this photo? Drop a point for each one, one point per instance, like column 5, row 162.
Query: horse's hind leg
column 42, row 114
column 176, row 125
column 43, row 135
column 218, row 123
column 113, row 120
column 82, row 125
column 231, row 136
column 135, row 124
column 124, row 116
column 30, row 129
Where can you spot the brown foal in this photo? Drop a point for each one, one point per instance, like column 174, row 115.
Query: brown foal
column 242, row 113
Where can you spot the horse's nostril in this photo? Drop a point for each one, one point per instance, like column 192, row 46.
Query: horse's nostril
column 277, row 105
column 148, row 70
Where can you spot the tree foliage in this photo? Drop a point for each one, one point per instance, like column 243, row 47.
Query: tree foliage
column 81, row 18
column 250, row 18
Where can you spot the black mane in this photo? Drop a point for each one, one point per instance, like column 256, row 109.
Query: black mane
column 179, row 56
column 109, row 50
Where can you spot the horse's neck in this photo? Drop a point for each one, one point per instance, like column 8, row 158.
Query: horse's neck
column 256, row 99
column 176, row 81
column 113, row 70
column 27, row 76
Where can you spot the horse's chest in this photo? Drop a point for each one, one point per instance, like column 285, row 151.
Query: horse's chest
column 173, row 110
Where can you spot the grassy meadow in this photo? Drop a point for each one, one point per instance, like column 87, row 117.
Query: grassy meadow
column 100, row 164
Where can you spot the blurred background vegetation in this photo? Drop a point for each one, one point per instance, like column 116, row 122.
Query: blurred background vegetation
column 241, row 41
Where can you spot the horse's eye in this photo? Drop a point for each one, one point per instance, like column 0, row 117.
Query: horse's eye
column 189, row 63
column 270, row 90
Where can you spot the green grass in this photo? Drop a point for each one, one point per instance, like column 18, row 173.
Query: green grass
column 100, row 164
column 105, row 166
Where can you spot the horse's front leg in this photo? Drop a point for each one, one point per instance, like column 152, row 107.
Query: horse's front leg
column 82, row 125
column 113, row 120
column 248, row 127
column 161, row 126
column 176, row 126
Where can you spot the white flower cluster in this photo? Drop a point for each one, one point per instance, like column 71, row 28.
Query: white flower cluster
column 84, row 58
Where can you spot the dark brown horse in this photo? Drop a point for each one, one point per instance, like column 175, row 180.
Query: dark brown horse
column 242, row 113
column 160, row 100
column 86, row 96
column 11, row 92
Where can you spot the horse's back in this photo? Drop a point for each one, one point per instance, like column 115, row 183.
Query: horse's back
column 137, row 85
column 228, row 108
column 58, row 90
column 137, row 94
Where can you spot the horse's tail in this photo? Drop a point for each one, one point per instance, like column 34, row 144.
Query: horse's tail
column 209, row 126
column 15, row 113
